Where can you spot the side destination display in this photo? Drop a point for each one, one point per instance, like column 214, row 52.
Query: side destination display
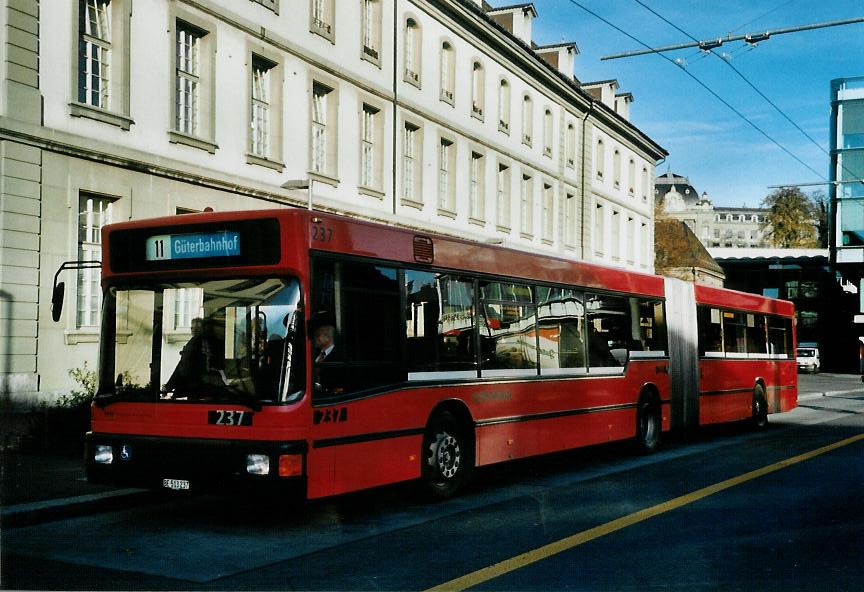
column 193, row 246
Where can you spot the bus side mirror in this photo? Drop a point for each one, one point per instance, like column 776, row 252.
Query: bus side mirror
column 57, row 301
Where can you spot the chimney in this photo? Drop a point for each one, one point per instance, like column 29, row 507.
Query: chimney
column 603, row 91
column 622, row 104
column 516, row 20
column 561, row 56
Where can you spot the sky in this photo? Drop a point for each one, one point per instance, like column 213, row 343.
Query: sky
column 720, row 152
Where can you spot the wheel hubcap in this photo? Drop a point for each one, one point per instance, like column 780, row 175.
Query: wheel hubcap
column 446, row 455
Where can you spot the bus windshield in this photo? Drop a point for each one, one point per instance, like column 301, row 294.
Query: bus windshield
column 237, row 340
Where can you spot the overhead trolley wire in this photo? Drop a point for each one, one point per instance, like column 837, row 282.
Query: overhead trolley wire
column 703, row 85
column 745, row 79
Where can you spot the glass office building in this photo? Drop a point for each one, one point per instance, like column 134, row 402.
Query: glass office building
column 847, row 169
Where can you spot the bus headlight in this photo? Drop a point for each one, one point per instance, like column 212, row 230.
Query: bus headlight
column 257, row 464
column 103, row 455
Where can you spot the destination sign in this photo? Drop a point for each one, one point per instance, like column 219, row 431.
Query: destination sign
column 166, row 247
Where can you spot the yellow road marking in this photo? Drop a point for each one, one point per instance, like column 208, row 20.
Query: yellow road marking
column 559, row 546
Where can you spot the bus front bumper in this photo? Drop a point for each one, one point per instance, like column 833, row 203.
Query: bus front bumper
column 194, row 464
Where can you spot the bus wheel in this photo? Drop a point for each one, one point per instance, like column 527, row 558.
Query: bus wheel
column 446, row 458
column 648, row 426
column 760, row 408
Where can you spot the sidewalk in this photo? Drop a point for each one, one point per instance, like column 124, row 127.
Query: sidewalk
column 35, row 487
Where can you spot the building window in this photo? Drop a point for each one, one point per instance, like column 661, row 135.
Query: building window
column 616, row 168
column 503, row 198
column 631, row 240
column 477, row 187
column 412, row 143
column 504, row 107
column 526, row 207
column 269, row 4
column 599, row 157
column 321, row 19
column 599, row 229
column 570, row 147
column 323, row 153
column 527, row 120
column 645, row 184
column 371, row 147
column 570, row 204
column 371, row 16
column 547, row 133
column 548, row 213
column 193, row 113
column 101, row 64
column 644, row 237
column 412, row 52
column 188, row 99
column 631, row 177
column 448, row 73
column 446, row 168
column 616, row 235
column 261, row 101
column 93, row 213
column 478, row 90
column 94, row 53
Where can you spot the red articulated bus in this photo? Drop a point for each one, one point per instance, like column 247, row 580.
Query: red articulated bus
column 292, row 346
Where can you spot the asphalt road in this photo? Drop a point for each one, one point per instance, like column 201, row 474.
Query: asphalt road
column 726, row 509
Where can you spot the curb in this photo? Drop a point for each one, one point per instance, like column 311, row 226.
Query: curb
column 817, row 395
column 67, row 507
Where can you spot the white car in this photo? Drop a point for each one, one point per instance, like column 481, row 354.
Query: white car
column 808, row 357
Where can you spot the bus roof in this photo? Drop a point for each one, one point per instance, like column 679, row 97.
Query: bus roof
column 322, row 232
column 724, row 298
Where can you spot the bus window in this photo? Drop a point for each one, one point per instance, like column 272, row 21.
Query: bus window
column 779, row 337
column 608, row 327
column 508, row 331
column 710, row 332
column 647, row 327
column 360, row 301
column 561, row 318
column 233, row 346
column 734, row 334
column 757, row 339
column 439, row 325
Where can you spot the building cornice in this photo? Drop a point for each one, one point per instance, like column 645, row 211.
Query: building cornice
column 130, row 159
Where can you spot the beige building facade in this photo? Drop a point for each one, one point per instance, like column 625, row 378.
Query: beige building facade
column 715, row 226
column 440, row 115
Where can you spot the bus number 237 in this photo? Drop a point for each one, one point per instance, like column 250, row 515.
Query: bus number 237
column 322, row 234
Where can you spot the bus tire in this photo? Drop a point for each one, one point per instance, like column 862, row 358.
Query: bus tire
column 760, row 408
column 648, row 426
column 447, row 457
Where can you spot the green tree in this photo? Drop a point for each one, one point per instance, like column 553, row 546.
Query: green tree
column 792, row 219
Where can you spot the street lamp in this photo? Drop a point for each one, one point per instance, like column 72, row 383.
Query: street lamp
column 301, row 184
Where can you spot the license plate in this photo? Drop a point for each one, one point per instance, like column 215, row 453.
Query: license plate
column 175, row 484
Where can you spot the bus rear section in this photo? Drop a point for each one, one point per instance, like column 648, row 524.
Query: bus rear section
column 735, row 357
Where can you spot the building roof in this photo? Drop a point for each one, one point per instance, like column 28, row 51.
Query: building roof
column 676, row 246
column 565, row 44
column 523, row 6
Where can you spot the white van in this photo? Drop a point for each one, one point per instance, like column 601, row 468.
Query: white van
column 808, row 357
